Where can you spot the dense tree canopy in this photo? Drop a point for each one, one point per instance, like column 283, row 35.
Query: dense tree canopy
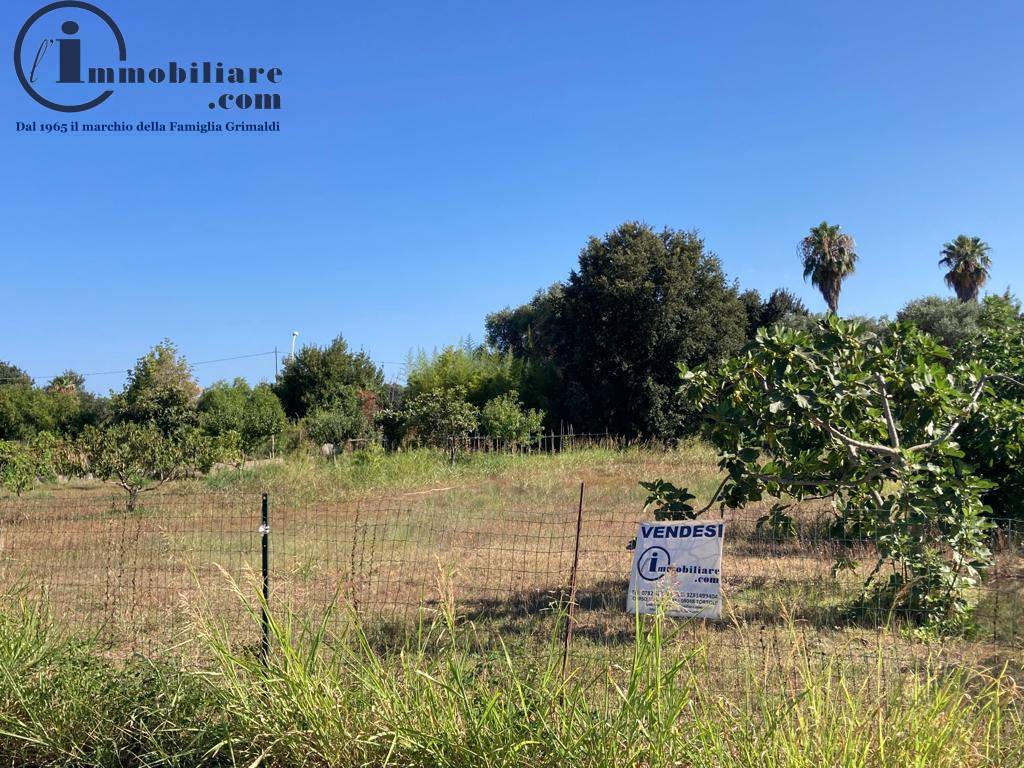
column 326, row 377
column 951, row 321
column 640, row 302
column 530, row 331
column 254, row 415
column 64, row 406
column 873, row 424
column 160, row 390
column 604, row 344
column 781, row 304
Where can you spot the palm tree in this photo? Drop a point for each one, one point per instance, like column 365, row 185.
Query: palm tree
column 829, row 258
column 968, row 263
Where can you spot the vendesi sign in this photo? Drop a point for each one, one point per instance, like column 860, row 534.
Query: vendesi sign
column 677, row 566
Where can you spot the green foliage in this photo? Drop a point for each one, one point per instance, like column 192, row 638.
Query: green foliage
column 668, row 501
column 140, row 457
column 24, row 412
column 441, row 417
column 392, row 425
column 23, row 464
column 321, row 377
column 872, row 425
column 764, row 314
column 504, row 419
column 950, row 321
column 480, row 372
column 262, row 418
column 160, row 391
column 484, row 373
column 993, row 438
column 968, row 264
column 63, row 407
column 640, row 301
column 829, row 256
column 221, row 406
column 12, row 375
column 344, row 421
column 254, row 415
column 880, row 327
column 603, row 345
column 529, row 332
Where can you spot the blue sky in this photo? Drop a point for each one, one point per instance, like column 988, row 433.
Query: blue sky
column 441, row 160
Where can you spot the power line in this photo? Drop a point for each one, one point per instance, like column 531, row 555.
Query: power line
column 126, row 369
column 200, row 362
column 236, row 357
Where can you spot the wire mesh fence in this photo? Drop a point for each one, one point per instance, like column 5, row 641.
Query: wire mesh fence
column 541, row 443
column 502, row 556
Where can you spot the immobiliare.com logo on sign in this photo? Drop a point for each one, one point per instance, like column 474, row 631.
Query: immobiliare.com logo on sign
column 71, row 56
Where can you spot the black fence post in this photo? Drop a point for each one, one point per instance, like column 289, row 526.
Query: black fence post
column 265, row 605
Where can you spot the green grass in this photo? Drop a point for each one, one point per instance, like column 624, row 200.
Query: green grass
column 326, row 700
column 310, row 478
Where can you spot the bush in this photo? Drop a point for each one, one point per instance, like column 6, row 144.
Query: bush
column 483, row 373
column 335, row 425
column 951, row 321
column 993, row 439
column 19, row 467
column 262, row 418
column 442, row 418
column 222, row 407
column 504, row 419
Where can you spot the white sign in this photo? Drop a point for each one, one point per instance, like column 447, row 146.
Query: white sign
column 677, row 566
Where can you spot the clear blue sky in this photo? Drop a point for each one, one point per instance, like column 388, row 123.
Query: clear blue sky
column 441, row 160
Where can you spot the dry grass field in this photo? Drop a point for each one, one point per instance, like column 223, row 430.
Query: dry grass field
column 390, row 539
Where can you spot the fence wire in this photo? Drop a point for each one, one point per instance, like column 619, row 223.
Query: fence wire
column 496, row 554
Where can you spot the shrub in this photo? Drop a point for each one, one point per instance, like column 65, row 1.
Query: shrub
column 334, row 425
column 993, row 439
column 951, row 321
column 262, row 418
column 222, row 406
column 504, row 419
column 442, row 418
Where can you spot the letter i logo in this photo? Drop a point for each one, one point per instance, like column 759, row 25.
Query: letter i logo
column 649, row 565
column 70, row 55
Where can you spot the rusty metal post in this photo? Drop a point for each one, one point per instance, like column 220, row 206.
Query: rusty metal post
column 570, row 620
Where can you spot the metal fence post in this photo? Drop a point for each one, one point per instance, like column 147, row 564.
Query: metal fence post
column 570, row 619
column 265, row 604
